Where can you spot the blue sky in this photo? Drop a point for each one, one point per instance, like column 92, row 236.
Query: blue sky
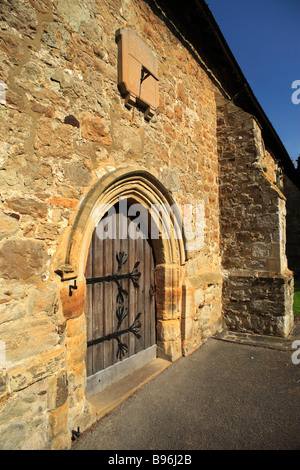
column 264, row 37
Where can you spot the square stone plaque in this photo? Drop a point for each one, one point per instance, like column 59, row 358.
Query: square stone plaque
column 137, row 72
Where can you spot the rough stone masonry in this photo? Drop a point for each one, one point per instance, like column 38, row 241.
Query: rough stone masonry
column 68, row 144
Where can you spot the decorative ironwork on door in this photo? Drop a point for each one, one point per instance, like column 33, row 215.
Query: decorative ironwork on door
column 120, row 303
column 121, row 311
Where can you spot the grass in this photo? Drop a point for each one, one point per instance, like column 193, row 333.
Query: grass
column 297, row 297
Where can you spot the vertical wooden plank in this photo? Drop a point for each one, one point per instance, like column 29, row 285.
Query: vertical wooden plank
column 124, row 247
column 116, row 250
column 152, row 300
column 139, row 343
column 147, row 258
column 98, row 360
column 132, row 293
column 89, row 313
column 108, row 297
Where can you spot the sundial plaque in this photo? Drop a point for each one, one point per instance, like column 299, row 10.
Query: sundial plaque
column 137, row 72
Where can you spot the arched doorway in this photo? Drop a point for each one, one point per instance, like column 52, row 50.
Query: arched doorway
column 138, row 186
column 120, row 291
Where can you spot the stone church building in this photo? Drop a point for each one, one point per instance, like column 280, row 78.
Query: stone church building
column 143, row 204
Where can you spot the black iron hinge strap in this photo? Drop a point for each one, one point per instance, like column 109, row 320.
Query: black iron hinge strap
column 134, row 327
column 111, row 277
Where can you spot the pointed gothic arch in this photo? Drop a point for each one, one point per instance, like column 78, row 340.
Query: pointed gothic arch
column 138, row 185
column 143, row 188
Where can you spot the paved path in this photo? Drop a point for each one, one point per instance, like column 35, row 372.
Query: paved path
column 226, row 395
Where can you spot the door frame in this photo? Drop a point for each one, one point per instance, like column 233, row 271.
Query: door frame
column 138, row 300
column 170, row 256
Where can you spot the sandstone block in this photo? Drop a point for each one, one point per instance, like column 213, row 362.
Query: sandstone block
column 187, row 329
column 76, row 326
column 188, row 305
column 169, row 350
column 168, row 302
column 62, row 441
column 22, row 259
column 94, row 129
column 28, row 338
column 76, row 174
column 47, row 231
column 4, row 392
column 12, row 435
column 72, row 13
column 73, row 305
column 8, row 226
column 61, row 390
column 167, row 275
column 168, row 330
column 42, row 301
column 55, row 35
column 28, row 206
column 63, row 202
column 76, row 350
column 20, row 16
column 34, row 370
column 198, row 297
column 58, row 419
column 12, row 45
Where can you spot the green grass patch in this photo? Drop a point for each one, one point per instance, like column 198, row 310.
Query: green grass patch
column 297, row 297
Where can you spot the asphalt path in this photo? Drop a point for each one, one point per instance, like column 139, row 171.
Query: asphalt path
column 224, row 396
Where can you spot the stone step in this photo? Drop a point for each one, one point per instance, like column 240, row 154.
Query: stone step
column 104, row 402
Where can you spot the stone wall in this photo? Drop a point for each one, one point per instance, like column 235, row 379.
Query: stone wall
column 258, row 287
column 67, row 144
column 63, row 128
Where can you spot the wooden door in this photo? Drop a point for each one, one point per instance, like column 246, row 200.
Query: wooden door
column 120, row 308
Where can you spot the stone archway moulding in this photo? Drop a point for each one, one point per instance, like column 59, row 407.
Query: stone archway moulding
column 141, row 187
column 137, row 184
